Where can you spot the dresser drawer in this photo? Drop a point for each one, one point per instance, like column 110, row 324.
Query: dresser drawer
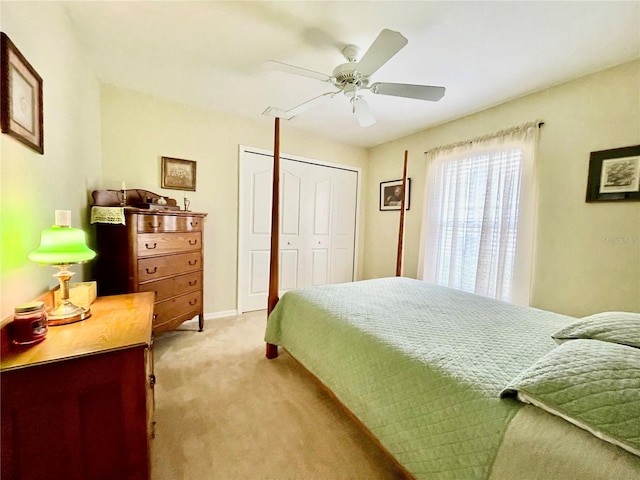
column 170, row 287
column 155, row 268
column 150, row 244
column 174, row 311
column 168, row 223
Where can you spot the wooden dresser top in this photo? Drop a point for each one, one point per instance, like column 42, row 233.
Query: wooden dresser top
column 117, row 322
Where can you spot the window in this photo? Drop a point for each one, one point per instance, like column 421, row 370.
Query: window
column 478, row 229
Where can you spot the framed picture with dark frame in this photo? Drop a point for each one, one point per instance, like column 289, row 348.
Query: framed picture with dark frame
column 20, row 97
column 178, row 174
column 391, row 195
column 614, row 175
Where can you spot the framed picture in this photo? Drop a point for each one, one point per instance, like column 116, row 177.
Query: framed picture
column 20, row 97
column 614, row 175
column 178, row 174
column 391, row 195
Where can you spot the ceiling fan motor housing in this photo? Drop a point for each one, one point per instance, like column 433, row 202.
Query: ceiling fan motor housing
column 346, row 74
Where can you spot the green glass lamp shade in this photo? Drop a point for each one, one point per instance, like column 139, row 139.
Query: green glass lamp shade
column 62, row 245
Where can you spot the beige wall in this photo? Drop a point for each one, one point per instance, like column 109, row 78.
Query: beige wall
column 32, row 186
column 138, row 130
column 587, row 255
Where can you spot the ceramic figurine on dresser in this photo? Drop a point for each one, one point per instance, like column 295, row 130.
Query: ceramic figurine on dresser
column 150, row 245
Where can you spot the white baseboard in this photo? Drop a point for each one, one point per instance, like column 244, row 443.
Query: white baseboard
column 214, row 315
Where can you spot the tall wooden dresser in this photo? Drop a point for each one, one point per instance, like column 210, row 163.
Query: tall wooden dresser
column 155, row 251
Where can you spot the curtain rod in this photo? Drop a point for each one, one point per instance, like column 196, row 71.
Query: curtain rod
column 538, row 123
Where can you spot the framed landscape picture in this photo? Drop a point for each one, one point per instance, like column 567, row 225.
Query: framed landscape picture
column 614, row 175
column 20, row 97
column 178, row 174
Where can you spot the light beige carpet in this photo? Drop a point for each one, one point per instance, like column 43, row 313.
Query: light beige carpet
column 223, row 411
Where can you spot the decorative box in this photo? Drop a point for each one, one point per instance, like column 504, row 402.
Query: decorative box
column 81, row 294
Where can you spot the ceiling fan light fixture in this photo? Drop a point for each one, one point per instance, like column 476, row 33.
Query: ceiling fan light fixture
column 362, row 111
column 350, row 90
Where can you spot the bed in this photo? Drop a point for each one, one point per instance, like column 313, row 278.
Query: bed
column 435, row 375
column 455, row 386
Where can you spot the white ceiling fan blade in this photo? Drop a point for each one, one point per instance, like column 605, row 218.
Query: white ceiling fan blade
column 303, row 107
column 363, row 112
column 285, row 67
column 421, row 92
column 385, row 46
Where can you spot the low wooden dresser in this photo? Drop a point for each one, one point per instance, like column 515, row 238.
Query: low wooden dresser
column 79, row 405
column 155, row 251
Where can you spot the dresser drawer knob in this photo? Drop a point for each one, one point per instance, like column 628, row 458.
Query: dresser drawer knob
column 155, row 316
column 193, row 262
column 150, row 248
column 193, row 302
column 155, row 269
column 193, row 283
column 193, row 242
column 152, row 380
column 194, row 224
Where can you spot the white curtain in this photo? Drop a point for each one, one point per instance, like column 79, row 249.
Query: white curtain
column 479, row 215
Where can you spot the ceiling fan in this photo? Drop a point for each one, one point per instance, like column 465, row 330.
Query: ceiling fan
column 352, row 79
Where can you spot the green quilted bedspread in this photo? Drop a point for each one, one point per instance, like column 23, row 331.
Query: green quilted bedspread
column 421, row 366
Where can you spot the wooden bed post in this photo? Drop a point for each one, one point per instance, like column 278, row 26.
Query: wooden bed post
column 272, row 350
column 400, row 257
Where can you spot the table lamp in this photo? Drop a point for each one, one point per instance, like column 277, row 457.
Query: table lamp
column 62, row 246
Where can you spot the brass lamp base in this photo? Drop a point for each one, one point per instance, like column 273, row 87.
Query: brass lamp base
column 66, row 313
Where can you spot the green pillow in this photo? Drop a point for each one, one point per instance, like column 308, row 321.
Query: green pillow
column 594, row 385
column 614, row 327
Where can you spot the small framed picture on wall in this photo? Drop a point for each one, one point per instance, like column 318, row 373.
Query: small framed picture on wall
column 614, row 175
column 20, row 97
column 391, row 195
column 178, row 174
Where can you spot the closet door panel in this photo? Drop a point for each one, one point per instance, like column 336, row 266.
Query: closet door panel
column 293, row 243
column 259, row 272
column 319, row 234
column 289, row 262
column 345, row 185
column 320, row 266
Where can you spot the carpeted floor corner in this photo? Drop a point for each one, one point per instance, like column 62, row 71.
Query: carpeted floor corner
column 223, row 411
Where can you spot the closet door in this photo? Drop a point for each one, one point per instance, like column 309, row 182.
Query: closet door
column 293, row 218
column 319, row 204
column 255, row 230
column 343, row 240
column 317, row 226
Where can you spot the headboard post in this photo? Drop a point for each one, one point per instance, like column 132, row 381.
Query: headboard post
column 400, row 257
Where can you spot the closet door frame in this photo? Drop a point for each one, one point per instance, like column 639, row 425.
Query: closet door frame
column 242, row 150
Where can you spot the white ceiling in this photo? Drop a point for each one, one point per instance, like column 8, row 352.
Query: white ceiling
column 212, row 53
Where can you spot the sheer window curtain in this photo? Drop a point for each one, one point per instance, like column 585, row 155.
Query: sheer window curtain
column 478, row 227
